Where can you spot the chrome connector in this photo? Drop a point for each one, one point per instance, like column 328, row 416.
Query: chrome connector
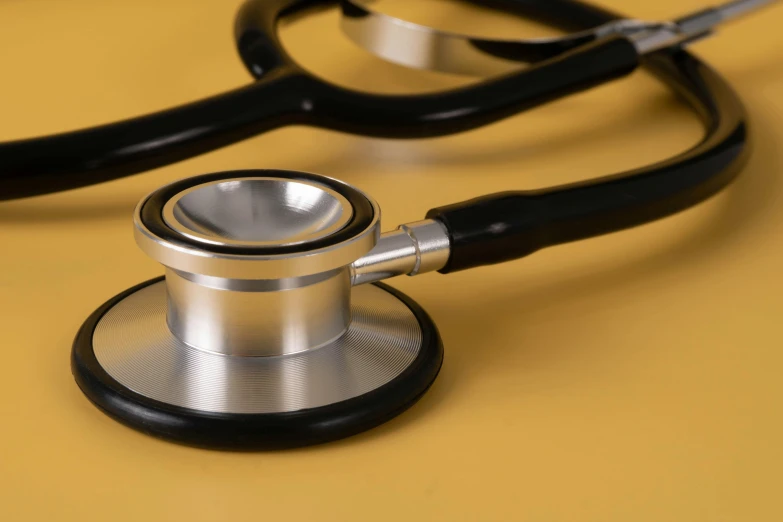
column 414, row 248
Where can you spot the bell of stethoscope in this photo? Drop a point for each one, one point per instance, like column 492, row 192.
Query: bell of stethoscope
column 264, row 332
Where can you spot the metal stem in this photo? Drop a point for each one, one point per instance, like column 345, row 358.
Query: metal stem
column 414, row 248
column 694, row 25
column 737, row 8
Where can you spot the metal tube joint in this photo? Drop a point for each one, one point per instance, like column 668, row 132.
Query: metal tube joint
column 411, row 249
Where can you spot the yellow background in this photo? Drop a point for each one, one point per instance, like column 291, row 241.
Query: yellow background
column 634, row 377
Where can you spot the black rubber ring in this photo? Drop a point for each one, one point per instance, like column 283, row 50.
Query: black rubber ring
column 262, row 431
column 152, row 213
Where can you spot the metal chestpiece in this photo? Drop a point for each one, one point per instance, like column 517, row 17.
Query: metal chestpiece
column 264, row 265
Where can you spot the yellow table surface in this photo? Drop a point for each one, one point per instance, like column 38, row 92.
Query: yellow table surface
column 633, row 377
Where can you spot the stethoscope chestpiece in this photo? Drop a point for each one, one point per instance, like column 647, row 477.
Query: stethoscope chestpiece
column 257, row 336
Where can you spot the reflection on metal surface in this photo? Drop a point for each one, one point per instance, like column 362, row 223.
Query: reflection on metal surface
column 257, row 212
column 274, row 210
column 414, row 248
column 134, row 345
column 250, row 321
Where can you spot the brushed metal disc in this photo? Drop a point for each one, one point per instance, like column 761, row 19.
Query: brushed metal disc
column 135, row 347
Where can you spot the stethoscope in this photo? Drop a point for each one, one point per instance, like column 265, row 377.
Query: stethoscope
column 270, row 327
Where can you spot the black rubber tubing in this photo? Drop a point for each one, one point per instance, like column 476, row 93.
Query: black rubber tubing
column 509, row 225
column 285, row 94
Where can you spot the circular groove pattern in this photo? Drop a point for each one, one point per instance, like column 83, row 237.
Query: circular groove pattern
column 134, row 346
